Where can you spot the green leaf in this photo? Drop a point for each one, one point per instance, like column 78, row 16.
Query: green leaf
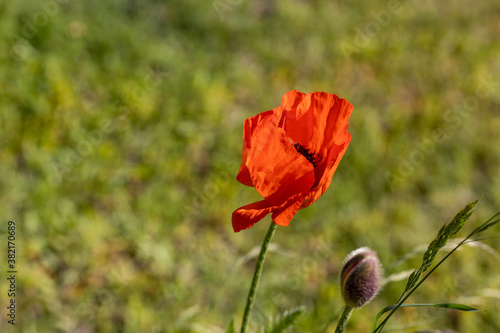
column 452, row 306
column 230, row 327
column 287, row 319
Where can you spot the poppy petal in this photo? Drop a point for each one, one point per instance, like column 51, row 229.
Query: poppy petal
column 325, row 172
column 284, row 215
column 246, row 216
column 248, row 129
column 337, row 124
column 320, row 123
column 277, row 170
column 336, row 139
column 292, row 99
column 317, row 120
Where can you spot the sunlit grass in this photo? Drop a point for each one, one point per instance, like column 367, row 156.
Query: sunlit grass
column 120, row 133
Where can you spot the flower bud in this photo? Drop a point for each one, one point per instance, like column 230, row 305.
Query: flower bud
column 360, row 278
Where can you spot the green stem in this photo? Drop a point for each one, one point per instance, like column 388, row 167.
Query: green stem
column 256, row 275
column 344, row 319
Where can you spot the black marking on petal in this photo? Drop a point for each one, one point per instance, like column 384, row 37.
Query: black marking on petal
column 301, row 149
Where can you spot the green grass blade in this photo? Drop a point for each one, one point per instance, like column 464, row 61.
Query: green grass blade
column 486, row 225
column 451, row 306
column 230, row 327
column 287, row 319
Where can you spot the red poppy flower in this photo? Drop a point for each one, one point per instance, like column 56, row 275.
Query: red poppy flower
column 290, row 155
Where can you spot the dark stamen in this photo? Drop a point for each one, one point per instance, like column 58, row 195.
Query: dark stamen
column 305, row 152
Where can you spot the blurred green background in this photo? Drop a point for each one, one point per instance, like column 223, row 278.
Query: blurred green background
column 121, row 125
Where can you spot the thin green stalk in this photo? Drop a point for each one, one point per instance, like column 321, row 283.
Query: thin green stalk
column 257, row 274
column 344, row 319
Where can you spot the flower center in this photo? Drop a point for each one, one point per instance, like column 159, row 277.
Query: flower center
column 305, row 152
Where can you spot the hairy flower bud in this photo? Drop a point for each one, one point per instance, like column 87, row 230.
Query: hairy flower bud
column 360, row 278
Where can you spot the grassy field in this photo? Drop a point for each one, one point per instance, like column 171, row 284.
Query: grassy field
column 120, row 135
